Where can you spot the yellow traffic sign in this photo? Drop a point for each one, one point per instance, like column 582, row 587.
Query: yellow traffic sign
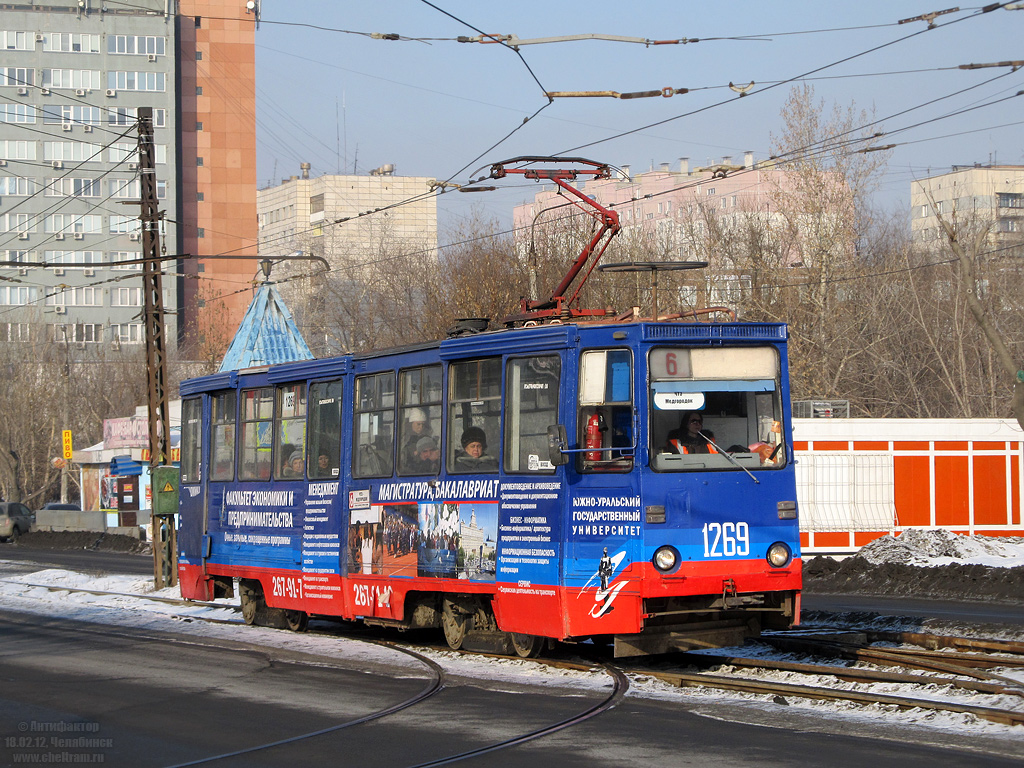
column 66, row 435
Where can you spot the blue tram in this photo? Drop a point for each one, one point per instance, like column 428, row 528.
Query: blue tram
column 627, row 482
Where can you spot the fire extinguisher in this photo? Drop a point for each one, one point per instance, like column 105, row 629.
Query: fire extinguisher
column 595, row 426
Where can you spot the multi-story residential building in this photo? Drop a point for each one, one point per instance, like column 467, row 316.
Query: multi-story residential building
column 73, row 75
column 300, row 215
column 72, row 79
column 972, row 196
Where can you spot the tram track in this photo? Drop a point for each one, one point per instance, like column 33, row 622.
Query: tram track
column 953, row 665
column 434, row 686
column 963, row 666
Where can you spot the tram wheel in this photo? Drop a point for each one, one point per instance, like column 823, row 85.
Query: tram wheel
column 455, row 626
column 297, row 621
column 526, row 646
column 252, row 601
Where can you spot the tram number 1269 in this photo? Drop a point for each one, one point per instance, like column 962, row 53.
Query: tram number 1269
column 726, row 539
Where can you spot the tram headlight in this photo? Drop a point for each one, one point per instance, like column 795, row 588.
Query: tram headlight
column 665, row 558
column 779, row 555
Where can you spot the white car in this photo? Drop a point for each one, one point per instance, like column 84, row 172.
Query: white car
column 15, row 519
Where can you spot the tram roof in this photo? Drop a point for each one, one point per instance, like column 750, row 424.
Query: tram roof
column 504, row 341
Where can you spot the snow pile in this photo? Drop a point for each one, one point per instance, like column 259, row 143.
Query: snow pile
column 58, row 577
column 931, row 564
column 942, row 547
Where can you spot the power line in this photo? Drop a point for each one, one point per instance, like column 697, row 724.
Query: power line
column 61, row 203
column 776, row 84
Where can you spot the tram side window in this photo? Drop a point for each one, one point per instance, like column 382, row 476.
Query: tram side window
column 324, row 429
column 420, row 421
column 191, row 439
column 257, row 433
column 531, row 406
column 222, row 433
column 374, row 432
column 474, row 415
column 291, row 431
column 605, row 419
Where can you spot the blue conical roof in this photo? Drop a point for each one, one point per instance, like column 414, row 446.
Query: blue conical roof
column 267, row 335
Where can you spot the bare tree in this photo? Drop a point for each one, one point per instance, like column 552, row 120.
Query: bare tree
column 969, row 246
column 50, row 386
column 822, row 202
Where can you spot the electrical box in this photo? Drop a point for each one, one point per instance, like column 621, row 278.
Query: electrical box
column 164, row 484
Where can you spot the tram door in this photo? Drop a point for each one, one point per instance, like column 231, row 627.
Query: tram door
column 191, row 506
column 604, row 523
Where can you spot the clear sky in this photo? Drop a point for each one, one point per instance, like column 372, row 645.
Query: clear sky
column 341, row 100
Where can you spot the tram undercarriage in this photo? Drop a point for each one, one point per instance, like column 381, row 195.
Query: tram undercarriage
column 674, row 624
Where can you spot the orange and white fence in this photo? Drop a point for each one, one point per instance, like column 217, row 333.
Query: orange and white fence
column 858, row 479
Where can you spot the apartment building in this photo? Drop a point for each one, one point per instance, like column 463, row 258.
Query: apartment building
column 74, row 73
column 72, row 78
column 970, row 195
column 217, row 165
column 300, row 216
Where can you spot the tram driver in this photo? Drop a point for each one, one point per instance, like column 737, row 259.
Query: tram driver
column 690, row 436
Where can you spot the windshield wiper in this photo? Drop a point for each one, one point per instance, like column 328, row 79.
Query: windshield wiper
column 725, row 453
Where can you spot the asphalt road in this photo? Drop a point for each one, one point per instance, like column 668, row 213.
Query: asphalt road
column 970, row 612
column 141, row 698
column 83, row 560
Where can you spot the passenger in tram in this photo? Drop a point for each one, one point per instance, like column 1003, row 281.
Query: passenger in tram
column 427, row 458
column 417, row 428
column 475, row 458
column 293, row 467
column 688, row 438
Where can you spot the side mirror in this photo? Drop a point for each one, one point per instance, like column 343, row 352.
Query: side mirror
column 557, row 442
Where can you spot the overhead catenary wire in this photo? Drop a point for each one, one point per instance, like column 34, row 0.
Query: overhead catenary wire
column 986, row 9
column 67, row 200
column 600, row 37
column 494, row 105
column 390, row 206
column 779, row 83
column 804, row 150
column 632, row 200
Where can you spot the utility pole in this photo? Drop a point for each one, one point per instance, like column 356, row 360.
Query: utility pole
column 165, row 565
column 65, row 410
column 153, row 301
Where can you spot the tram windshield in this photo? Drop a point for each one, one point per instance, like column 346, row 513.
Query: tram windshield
column 715, row 409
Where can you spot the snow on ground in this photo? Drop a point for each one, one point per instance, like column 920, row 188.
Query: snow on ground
column 33, row 592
